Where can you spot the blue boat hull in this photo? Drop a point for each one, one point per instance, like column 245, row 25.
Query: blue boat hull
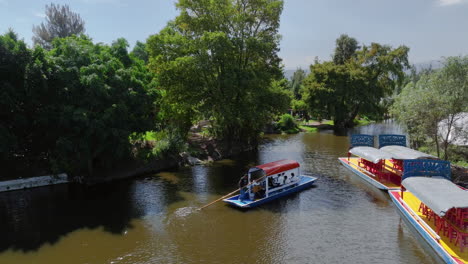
column 305, row 182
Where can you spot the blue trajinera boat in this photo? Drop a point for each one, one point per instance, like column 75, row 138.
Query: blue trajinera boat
column 271, row 181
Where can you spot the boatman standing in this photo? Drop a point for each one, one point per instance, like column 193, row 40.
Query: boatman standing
column 244, row 180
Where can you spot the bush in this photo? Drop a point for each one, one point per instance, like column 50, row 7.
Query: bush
column 287, row 122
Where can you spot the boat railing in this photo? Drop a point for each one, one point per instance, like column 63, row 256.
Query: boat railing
column 392, row 140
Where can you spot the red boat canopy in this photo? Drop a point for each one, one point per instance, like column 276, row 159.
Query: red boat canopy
column 278, row 166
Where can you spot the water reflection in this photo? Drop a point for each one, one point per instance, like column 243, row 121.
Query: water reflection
column 153, row 219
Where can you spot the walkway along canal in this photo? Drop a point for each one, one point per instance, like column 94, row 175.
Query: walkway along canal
column 153, row 219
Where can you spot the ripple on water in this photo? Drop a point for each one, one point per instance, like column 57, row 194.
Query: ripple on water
column 184, row 211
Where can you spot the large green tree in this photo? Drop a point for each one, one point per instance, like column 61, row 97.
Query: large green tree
column 356, row 87
column 14, row 58
column 218, row 60
column 107, row 96
column 72, row 108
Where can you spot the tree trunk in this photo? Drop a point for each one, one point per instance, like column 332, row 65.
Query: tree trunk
column 436, row 139
column 449, row 128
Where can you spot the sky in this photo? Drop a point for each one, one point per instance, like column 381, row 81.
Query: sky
column 432, row 29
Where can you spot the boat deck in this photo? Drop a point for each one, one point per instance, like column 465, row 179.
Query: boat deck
column 454, row 250
column 304, row 182
column 383, row 184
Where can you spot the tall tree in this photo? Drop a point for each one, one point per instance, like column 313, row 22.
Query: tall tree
column 342, row 91
column 60, row 22
column 296, row 83
column 139, row 51
column 345, row 49
column 218, row 60
column 14, row 58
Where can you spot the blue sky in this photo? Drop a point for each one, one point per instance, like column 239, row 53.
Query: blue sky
column 431, row 28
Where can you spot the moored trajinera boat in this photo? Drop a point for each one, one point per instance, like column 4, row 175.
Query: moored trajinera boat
column 381, row 167
column 435, row 207
column 270, row 181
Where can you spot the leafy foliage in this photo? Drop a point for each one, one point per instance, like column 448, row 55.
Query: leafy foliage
column 343, row 91
column 346, row 48
column 434, row 97
column 75, row 106
column 139, row 51
column 218, row 61
column 286, row 122
column 60, row 22
column 296, row 83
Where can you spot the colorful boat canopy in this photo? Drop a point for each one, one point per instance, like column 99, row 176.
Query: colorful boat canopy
column 402, row 153
column 439, row 194
column 278, row 166
column 370, row 153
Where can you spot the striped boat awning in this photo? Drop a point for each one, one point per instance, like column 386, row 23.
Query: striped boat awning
column 437, row 193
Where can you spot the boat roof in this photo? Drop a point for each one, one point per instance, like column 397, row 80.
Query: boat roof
column 278, row 166
column 437, row 193
column 400, row 152
column 370, row 153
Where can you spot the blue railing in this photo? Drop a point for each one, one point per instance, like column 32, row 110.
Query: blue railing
column 426, row 168
column 359, row 140
column 392, row 140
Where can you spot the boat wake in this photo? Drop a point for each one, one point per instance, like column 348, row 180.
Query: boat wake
column 184, row 211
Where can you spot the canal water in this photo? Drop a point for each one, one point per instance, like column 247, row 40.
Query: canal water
column 153, row 219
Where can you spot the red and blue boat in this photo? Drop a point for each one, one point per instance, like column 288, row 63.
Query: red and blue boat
column 371, row 164
column 269, row 182
column 435, row 207
column 381, row 167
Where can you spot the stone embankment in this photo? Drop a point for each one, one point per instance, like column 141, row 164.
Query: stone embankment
column 27, row 183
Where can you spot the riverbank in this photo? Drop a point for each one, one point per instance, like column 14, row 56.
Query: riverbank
column 33, row 182
column 202, row 151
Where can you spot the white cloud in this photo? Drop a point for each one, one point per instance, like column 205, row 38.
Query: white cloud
column 451, row 2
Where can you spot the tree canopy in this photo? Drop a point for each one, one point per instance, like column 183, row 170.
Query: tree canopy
column 435, row 96
column 356, row 87
column 345, row 49
column 296, row 83
column 218, row 60
column 73, row 107
column 60, row 22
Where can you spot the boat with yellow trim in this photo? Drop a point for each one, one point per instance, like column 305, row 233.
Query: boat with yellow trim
column 381, row 167
column 371, row 164
column 435, row 207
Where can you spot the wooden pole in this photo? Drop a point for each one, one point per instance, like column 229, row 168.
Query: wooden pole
column 231, row 193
